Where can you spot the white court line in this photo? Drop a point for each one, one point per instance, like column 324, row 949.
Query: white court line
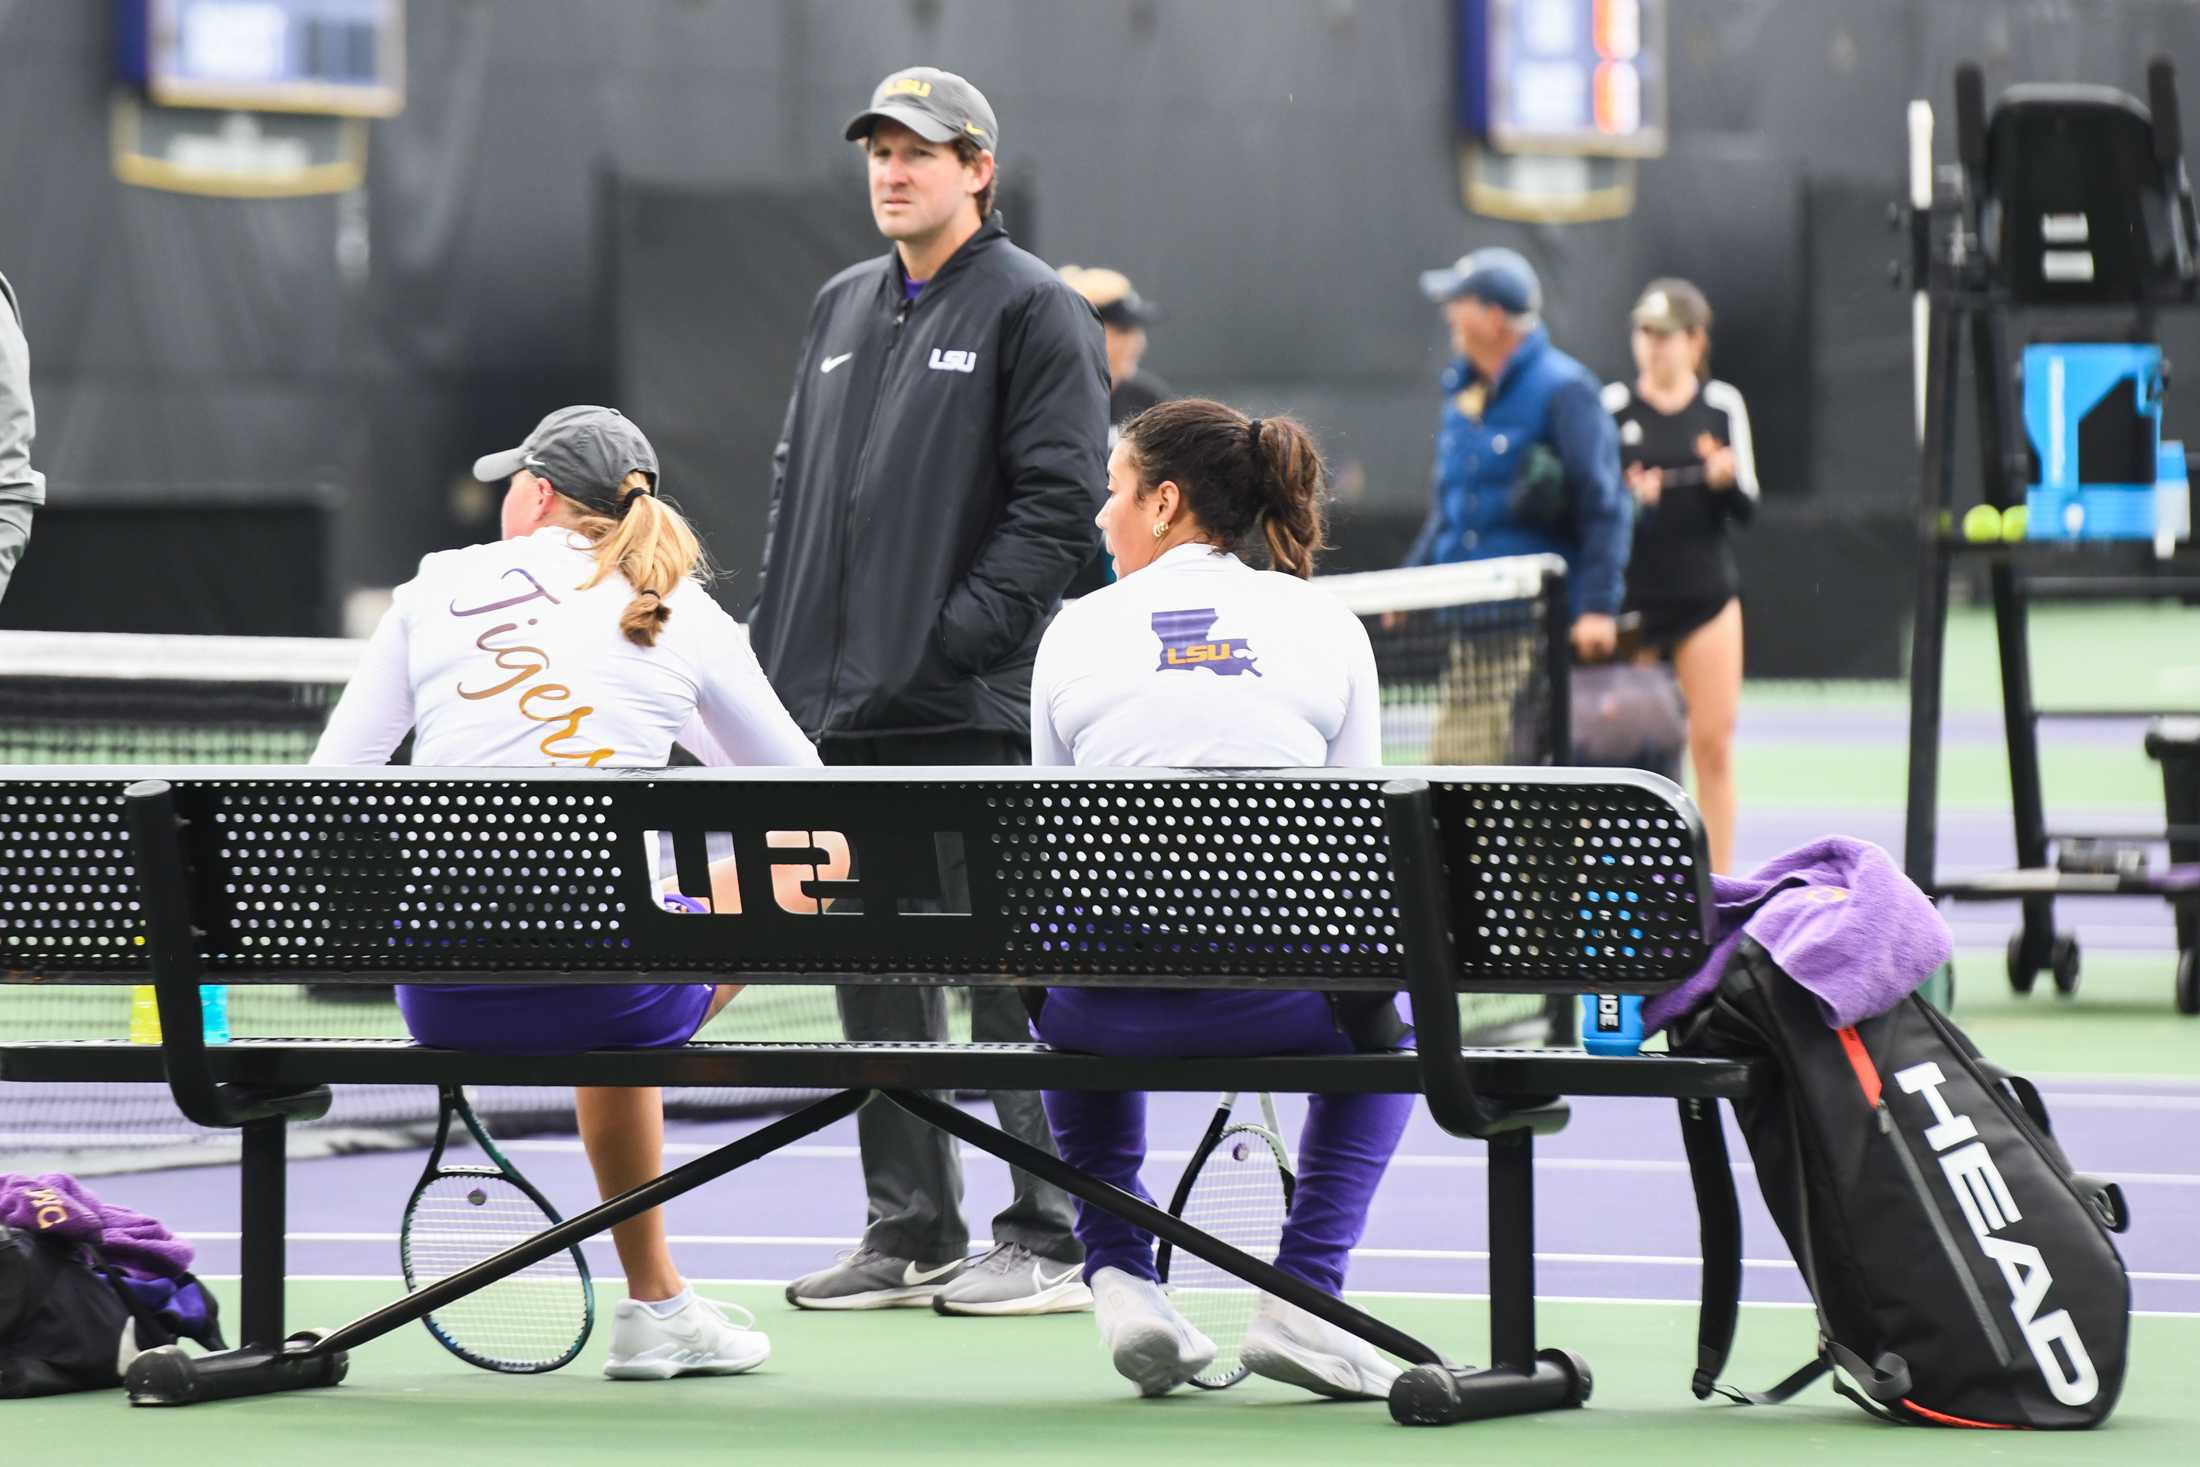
column 2049, row 1081
column 387, row 1278
column 1465, row 1161
column 1438, row 1255
column 2093, row 1100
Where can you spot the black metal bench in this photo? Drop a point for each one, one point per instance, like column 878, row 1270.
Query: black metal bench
column 1438, row 881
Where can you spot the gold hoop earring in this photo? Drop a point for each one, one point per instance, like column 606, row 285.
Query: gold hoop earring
column 1160, row 528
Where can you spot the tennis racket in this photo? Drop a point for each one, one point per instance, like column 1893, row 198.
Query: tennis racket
column 529, row 1322
column 1237, row 1188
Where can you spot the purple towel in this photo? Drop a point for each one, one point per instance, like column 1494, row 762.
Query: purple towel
column 64, row 1207
column 1838, row 918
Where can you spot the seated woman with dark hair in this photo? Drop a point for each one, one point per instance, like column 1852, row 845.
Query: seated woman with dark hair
column 1193, row 487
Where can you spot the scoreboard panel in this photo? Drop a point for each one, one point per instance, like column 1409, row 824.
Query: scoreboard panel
column 1564, row 76
column 345, row 57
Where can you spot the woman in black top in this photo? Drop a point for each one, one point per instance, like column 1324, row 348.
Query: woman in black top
column 1684, row 438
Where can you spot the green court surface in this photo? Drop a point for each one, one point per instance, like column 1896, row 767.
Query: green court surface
column 2114, row 656
column 911, row 1386
column 2118, row 1023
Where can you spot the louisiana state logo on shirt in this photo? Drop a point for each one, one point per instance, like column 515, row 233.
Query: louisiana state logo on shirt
column 1186, row 646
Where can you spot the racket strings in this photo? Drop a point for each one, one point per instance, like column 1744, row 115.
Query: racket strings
column 530, row 1319
column 1238, row 1198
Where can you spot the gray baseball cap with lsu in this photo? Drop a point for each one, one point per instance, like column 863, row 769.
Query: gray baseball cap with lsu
column 585, row 452
column 936, row 105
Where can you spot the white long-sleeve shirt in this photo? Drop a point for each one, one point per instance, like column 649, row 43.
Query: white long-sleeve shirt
column 1200, row 661
column 494, row 656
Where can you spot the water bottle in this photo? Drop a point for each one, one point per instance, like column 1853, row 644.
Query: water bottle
column 1611, row 1023
column 213, row 1013
column 144, row 1015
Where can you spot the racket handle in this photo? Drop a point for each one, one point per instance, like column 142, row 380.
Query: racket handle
column 168, row 1377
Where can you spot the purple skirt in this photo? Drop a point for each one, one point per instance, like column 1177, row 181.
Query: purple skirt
column 494, row 1018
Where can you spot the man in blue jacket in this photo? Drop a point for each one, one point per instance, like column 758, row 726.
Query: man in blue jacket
column 1514, row 403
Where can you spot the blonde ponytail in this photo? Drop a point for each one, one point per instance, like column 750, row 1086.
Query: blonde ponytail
column 652, row 545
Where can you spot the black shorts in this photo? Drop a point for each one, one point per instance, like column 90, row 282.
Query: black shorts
column 1667, row 624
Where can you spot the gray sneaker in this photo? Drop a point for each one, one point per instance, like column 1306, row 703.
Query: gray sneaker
column 1014, row 1280
column 864, row 1278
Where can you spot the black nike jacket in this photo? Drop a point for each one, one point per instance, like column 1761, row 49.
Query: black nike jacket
column 933, row 492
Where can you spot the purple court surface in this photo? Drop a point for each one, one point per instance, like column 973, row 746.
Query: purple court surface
column 1616, row 1218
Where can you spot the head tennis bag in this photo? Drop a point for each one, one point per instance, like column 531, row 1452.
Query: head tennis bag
column 1963, row 1272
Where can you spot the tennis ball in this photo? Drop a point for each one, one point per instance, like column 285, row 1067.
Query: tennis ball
column 2016, row 523
column 1981, row 522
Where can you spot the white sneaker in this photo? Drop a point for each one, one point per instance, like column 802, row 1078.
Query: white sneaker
column 1153, row 1346
column 1286, row 1343
column 696, row 1339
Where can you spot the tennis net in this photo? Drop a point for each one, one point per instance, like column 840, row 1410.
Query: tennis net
column 1465, row 654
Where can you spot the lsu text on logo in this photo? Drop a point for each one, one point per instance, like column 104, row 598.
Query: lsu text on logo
column 1185, row 644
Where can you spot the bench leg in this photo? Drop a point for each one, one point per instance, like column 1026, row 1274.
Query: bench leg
column 1520, row 1378
column 264, row 1219
column 1050, row 1168
column 169, row 1377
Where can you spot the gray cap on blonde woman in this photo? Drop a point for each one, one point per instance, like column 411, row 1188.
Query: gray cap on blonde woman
column 585, row 452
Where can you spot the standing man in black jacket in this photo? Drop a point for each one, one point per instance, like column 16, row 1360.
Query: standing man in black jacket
column 22, row 488
column 944, row 452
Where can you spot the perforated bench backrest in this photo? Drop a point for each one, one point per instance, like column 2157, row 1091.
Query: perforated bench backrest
column 1096, row 877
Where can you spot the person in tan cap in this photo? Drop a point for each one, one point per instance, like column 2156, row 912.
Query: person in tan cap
column 1684, row 442
column 1126, row 314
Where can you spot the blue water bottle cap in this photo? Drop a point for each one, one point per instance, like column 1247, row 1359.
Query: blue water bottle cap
column 1611, row 1023
column 214, row 1012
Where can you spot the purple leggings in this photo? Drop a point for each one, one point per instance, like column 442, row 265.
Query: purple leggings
column 1343, row 1151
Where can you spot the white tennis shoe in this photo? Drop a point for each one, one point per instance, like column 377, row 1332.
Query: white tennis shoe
column 697, row 1339
column 1153, row 1347
column 1286, row 1343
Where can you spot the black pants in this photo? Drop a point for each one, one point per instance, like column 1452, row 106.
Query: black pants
column 912, row 1172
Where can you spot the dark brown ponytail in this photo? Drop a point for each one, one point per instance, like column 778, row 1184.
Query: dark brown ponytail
column 1237, row 475
column 1296, row 481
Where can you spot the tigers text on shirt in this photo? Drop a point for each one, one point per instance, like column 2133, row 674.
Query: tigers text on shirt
column 493, row 655
column 1200, row 661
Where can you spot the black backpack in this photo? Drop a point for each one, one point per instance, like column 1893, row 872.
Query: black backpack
column 65, row 1323
column 1963, row 1273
